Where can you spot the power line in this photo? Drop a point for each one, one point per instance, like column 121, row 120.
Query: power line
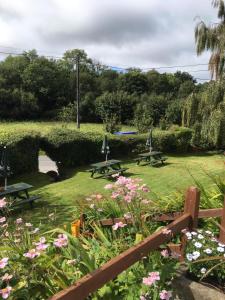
column 113, row 67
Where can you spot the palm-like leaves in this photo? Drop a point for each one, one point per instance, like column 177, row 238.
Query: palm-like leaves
column 212, row 38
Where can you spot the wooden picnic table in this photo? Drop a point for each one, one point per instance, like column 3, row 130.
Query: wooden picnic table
column 152, row 158
column 19, row 194
column 107, row 168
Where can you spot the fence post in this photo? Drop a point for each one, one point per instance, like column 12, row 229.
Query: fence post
column 222, row 226
column 191, row 205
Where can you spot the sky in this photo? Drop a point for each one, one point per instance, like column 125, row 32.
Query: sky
column 120, row 33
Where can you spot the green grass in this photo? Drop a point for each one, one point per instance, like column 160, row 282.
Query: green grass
column 63, row 196
column 44, row 127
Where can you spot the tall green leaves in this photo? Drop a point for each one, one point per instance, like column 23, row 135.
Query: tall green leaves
column 212, row 38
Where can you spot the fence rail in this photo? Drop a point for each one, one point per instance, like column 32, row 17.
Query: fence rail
column 188, row 219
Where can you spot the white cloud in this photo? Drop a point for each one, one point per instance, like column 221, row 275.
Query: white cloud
column 139, row 33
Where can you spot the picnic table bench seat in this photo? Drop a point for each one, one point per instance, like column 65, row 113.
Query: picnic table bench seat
column 106, row 168
column 152, row 158
column 29, row 200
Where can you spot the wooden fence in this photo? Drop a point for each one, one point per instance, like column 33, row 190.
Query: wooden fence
column 188, row 219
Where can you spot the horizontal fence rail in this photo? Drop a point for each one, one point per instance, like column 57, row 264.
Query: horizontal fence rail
column 204, row 213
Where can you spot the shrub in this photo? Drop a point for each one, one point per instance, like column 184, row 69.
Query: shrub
column 23, row 147
column 73, row 148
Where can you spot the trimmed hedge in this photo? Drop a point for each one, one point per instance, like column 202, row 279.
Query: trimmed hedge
column 73, row 148
column 23, row 148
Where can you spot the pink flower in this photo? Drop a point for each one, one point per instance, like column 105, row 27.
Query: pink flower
column 6, row 277
column 41, row 245
column 118, row 225
column 62, row 241
column 166, row 231
column 127, row 215
column 5, row 292
column 165, row 253
column 144, row 188
column 128, row 198
column 151, row 279
column 184, row 230
column 165, row 295
column 2, row 219
column 115, row 195
column 3, row 203
column 3, row 262
column 32, row 253
column 108, row 186
column 142, row 297
column 99, row 196
column 19, row 221
column 175, row 255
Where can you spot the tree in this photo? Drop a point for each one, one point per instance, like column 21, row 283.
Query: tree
column 133, row 82
column 212, row 38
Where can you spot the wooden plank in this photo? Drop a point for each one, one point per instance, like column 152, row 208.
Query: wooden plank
column 93, row 281
column 191, row 205
column 222, row 225
column 204, row 213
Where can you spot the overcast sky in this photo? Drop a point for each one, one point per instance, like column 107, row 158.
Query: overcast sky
column 124, row 33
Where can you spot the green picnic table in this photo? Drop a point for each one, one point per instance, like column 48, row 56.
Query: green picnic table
column 152, row 158
column 107, row 168
column 19, row 194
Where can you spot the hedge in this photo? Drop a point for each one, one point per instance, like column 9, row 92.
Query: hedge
column 22, row 149
column 73, row 148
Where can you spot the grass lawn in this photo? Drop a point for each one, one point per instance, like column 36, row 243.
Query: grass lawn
column 44, row 127
column 62, row 197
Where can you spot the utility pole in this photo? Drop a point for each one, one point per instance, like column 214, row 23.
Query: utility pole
column 78, row 90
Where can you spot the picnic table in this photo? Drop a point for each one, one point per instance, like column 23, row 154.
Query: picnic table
column 19, row 194
column 152, row 158
column 107, row 168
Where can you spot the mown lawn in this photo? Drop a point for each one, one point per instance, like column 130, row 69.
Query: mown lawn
column 62, row 197
column 44, row 127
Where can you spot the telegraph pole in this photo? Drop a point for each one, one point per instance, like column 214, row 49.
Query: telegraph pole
column 78, row 90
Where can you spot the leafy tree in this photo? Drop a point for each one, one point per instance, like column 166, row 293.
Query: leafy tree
column 212, row 37
column 174, row 112
column 133, row 82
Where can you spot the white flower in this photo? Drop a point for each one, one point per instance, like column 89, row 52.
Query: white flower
column 189, row 256
column 92, row 206
column 221, row 245
column 203, row 270
column 213, row 239
column 220, row 249
column 195, row 255
column 198, row 245
column 188, row 235
column 200, row 230
column 200, row 237
column 208, row 251
column 194, row 233
column 208, row 232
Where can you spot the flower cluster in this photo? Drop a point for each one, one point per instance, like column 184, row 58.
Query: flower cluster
column 151, row 280
column 203, row 252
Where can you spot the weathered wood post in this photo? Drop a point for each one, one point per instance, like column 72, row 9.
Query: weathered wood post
column 222, row 225
column 191, row 206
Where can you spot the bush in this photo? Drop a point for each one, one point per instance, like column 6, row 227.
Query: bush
column 73, row 148
column 23, row 147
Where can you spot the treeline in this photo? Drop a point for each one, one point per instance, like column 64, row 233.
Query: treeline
column 36, row 87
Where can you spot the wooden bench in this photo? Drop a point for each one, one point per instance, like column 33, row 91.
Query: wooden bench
column 113, row 172
column 29, row 200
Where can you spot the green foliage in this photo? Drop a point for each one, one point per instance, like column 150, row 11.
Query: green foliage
column 212, row 38
column 142, row 121
column 205, row 113
column 23, row 148
column 67, row 113
column 73, row 148
column 133, row 82
column 174, row 112
column 114, row 108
